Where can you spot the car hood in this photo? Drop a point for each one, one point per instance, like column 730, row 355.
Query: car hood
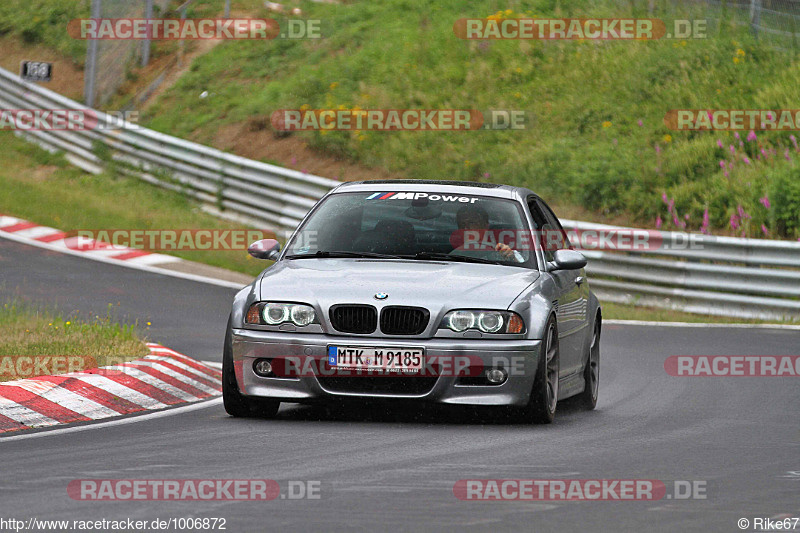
column 431, row 284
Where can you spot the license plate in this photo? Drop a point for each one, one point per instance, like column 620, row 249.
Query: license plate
column 367, row 358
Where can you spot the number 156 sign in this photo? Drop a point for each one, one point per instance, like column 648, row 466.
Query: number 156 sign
column 36, row 71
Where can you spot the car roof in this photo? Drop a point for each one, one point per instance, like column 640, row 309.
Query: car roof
column 444, row 186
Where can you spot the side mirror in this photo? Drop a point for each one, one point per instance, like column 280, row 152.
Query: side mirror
column 568, row 260
column 264, row 249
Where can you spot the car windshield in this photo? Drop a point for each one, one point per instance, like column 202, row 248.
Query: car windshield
column 417, row 225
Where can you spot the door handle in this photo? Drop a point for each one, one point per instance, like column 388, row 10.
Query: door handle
column 579, row 280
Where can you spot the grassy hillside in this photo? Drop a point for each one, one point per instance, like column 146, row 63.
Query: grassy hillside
column 597, row 138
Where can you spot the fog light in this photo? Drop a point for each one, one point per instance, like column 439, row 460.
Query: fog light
column 496, row 375
column 262, row 367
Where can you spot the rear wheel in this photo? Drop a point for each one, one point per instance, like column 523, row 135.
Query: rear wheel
column 591, row 372
column 543, row 401
column 236, row 404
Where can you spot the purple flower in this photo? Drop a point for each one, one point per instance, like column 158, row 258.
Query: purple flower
column 764, row 230
column 734, row 222
column 704, row 228
column 675, row 220
column 736, row 134
column 746, row 160
column 658, row 222
column 664, row 197
column 486, row 174
column 658, row 149
column 765, row 201
column 764, row 153
column 786, row 155
column 640, row 122
column 294, row 160
column 726, row 174
column 671, row 205
column 719, row 143
column 614, row 141
column 751, row 136
column 741, row 144
column 721, row 164
column 733, row 150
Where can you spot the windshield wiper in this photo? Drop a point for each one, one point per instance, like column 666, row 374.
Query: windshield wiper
column 434, row 256
column 326, row 254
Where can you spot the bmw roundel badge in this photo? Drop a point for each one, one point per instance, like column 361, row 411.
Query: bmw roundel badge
column 381, row 296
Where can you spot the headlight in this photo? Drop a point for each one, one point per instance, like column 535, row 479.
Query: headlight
column 273, row 314
column 484, row 321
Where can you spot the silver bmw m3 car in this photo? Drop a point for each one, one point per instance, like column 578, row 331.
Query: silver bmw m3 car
column 414, row 290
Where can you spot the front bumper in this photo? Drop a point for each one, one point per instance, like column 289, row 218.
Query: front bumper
column 519, row 357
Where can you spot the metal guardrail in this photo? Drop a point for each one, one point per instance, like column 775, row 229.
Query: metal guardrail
column 713, row 275
column 262, row 194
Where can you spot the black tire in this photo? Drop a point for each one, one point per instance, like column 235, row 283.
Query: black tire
column 236, row 404
column 591, row 371
column 541, row 408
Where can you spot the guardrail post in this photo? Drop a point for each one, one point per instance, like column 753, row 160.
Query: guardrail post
column 90, row 70
column 755, row 16
column 148, row 14
column 227, row 9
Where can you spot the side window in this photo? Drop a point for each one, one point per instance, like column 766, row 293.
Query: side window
column 542, row 228
column 557, row 239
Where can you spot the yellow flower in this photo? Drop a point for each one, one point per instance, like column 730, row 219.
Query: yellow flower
column 667, row 138
column 606, row 124
column 518, row 70
column 740, row 52
column 149, row 324
column 334, row 85
column 467, row 163
column 683, row 43
column 68, row 322
column 735, row 59
column 518, row 95
column 323, row 132
column 508, row 11
column 361, row 137
column 304, row 107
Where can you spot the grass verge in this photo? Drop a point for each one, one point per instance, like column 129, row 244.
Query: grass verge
column 615, row 311
column 45, row 189
column 35, row 342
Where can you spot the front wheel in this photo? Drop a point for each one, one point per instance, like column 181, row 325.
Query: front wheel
column 541, row 407
column 236, row 404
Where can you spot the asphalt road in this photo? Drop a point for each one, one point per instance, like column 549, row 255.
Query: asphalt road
column 386, row 470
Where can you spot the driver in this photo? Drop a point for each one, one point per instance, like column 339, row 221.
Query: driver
column 475, row 218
